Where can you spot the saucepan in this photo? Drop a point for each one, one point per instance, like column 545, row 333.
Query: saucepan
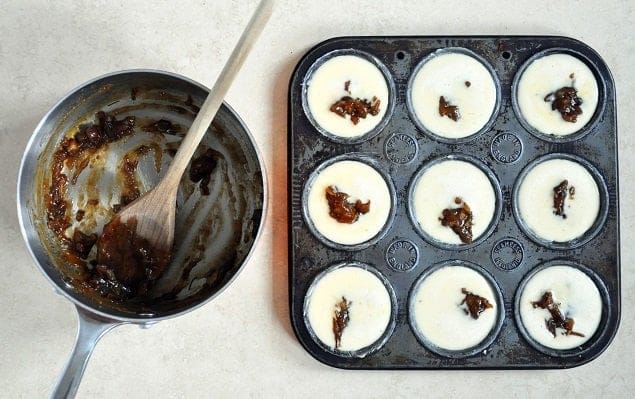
column 65, row 197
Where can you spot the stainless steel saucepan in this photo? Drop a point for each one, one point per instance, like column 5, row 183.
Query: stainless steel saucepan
column 215, row 233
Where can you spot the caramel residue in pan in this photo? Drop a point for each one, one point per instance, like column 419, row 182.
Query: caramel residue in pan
column 81, row 244
column 163, row 126
column 117, row 267
column 557, row 319
column 475, row 304
column 341, row 318
column 107, row 130
column 202, row 167
column 459, row 220
column 128, row 172
column 127, row 261
column 75, row 154
column 342, row 210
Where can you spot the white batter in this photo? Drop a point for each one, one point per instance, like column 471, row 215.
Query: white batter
column 369, row 310
column 546, row 75
column 446, row 75
column 359, row 181
column 327, row 86
column 439, row 185
column 578, row 297
column 439, row 315
column 535, row 200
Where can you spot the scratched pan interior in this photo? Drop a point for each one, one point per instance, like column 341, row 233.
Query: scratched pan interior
column 214, row 234
column 508, row 254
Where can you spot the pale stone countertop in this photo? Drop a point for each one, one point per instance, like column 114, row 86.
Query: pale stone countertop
column 242, row 344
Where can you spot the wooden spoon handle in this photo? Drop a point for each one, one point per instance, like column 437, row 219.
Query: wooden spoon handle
column 217, row 94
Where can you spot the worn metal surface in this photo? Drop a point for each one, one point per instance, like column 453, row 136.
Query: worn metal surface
column 508, row 254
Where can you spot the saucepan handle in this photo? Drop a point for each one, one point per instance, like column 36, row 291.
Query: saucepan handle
column 90, row 329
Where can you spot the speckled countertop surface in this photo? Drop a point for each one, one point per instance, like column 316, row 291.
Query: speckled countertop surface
column 241, row 344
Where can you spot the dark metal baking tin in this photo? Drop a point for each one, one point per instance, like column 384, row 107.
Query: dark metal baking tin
column 400, row 149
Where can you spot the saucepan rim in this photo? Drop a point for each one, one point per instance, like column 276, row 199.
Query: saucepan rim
column 23, row 188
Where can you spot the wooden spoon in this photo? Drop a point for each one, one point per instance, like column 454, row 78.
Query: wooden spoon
column 148, row 222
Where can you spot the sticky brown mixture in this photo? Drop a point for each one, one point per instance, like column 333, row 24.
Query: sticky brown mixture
column 475, row 304
column 567, row 102
column 342, row 210
column 451, row 111
column 341, row 318
column 357, row 108
column 107, row 130
column 126, row 261
column 75, row 154
column 163, row 126
column 123, row 266
column 560, row 195
column 557, row 319
column 459, row 220
column 130, row 191
column 128, row 173
column 81, row 243
column 202, row 167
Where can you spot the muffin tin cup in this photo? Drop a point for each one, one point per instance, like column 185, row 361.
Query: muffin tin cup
column 400, row 150
column 497, row 207
column 391, row 96
column 305, row 209
column 584, row 130
column 495, row 110
column 595, row 228
column 600, row 333
column 489, row 339
column 362, row 352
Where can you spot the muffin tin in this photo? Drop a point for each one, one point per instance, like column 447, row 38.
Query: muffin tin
column 399, row 149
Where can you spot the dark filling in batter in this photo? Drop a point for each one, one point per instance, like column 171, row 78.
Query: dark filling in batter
column 126, row 261
column 475, row 304
column 340, row 320
column 567, row 102
column 451, row 111
column 560, row 195
column 342, row 210
column 557, row 319
column 459, row 220
column 468, row 83
column 347, row 86
column 356, row 108
column 202, row 167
